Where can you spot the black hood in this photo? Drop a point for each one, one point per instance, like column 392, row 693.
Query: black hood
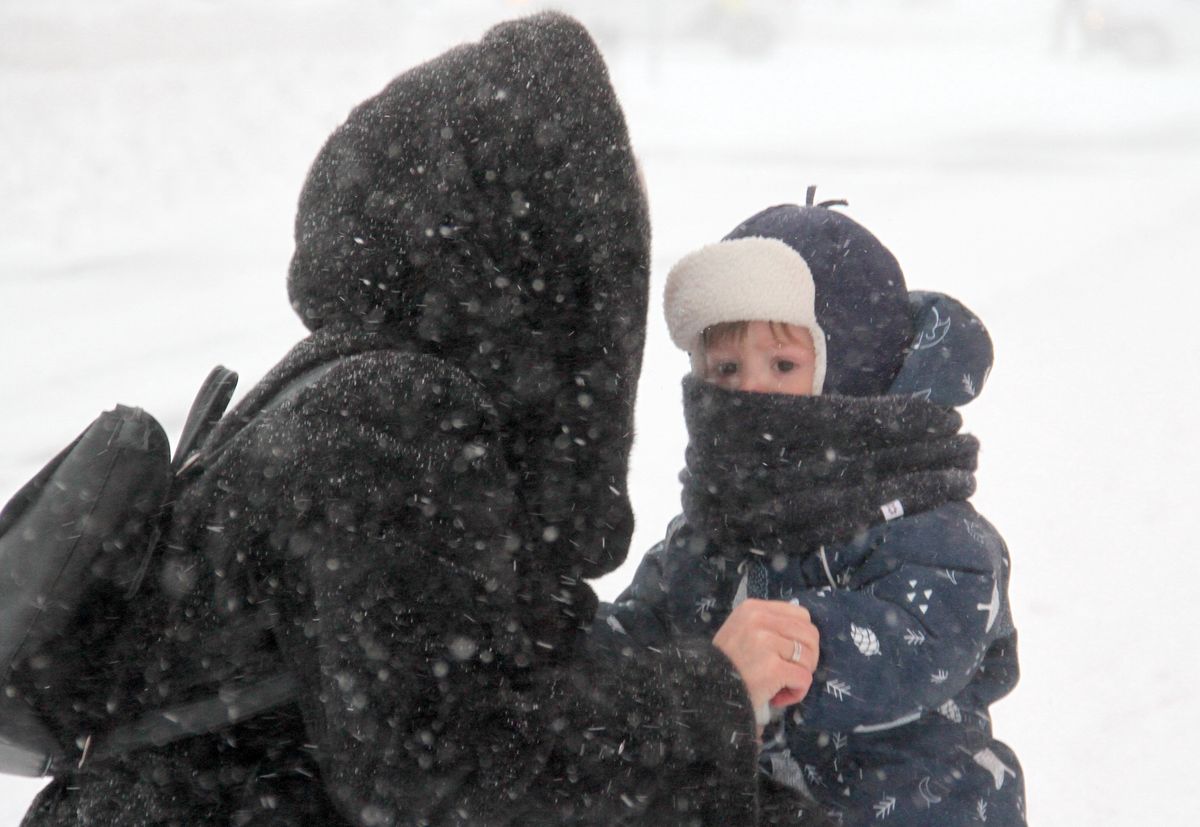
column 485, row 208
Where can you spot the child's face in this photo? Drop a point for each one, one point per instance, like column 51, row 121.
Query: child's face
column 765, row 360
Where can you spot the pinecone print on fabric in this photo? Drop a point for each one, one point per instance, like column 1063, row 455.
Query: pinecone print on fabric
column 865, row 640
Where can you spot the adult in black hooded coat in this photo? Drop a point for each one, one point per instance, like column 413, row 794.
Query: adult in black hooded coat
column 409, row 533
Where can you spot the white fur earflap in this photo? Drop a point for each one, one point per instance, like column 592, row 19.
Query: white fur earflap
column 742, row 280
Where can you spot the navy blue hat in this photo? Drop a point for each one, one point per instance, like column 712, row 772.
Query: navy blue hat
column 809, row 266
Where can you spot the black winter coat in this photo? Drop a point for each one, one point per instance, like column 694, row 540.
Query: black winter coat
column 411, row 532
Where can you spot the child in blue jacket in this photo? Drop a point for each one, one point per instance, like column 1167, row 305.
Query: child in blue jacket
column 825, row 467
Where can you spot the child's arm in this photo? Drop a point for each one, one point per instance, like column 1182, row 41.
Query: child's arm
column 639, row 612
column 911, row 625
column 760, row 638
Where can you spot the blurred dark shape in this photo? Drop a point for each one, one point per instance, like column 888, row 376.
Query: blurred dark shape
column 1141, row 33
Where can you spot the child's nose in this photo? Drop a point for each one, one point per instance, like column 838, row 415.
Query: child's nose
column 756, row 381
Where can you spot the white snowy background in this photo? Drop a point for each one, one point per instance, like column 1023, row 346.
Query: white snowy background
column 151, row 154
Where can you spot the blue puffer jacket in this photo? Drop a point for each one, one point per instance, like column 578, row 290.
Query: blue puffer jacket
column 917, row 639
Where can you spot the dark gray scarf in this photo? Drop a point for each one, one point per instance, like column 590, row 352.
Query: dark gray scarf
column 793, row 473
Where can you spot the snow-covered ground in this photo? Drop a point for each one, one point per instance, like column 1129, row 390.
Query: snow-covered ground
column 152, row 154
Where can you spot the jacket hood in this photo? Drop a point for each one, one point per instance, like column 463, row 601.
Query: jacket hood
column 485, row 208
column 950, row 356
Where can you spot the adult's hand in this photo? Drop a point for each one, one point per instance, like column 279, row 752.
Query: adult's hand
column 759, row 637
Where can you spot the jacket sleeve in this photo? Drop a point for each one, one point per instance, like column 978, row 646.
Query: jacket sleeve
column 434, row 693
column 910, row 627
column 640, row 612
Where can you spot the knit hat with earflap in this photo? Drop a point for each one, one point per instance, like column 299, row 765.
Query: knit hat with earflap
column 809, row 266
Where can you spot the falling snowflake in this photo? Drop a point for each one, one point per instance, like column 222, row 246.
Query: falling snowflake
column 865, row 640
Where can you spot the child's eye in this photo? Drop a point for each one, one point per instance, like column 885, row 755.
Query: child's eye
column 725, row 368
column 785, row 366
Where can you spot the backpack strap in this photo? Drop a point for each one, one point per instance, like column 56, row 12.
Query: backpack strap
column 207, row 410
column 165, row 726
column 202, row 454
column 229, row 706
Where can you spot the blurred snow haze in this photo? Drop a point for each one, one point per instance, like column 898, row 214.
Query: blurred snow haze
column 1038, row 160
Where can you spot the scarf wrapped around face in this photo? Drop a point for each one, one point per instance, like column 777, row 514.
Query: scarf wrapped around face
column 780, row 473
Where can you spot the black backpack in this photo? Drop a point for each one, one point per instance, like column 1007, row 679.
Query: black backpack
column 86, row 529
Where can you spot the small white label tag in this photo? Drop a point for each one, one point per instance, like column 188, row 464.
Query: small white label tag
column 892, row 510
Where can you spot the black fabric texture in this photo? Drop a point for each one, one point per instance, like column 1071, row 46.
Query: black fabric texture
column 416, row 525
column 485, row 209
column 814, row 470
